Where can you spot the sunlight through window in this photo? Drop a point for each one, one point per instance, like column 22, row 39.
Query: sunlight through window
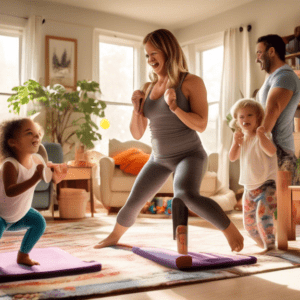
column 211, row 64
column 116, row 72
column 118, row 77
column 10, row 70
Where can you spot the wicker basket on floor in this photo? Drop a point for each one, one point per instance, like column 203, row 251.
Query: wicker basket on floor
column 72, row 203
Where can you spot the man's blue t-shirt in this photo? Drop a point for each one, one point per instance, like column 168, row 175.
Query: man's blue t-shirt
column 283, row 77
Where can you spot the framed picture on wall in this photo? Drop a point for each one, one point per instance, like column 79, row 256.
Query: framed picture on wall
column 61, row 62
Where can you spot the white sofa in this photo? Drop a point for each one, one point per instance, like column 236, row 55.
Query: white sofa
column 115, row 185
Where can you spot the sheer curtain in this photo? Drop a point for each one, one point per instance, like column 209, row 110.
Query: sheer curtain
column 31, row 53
column 32, row 49
column 236, row 81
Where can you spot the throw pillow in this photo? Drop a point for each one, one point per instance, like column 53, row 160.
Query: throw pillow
column 131, row 160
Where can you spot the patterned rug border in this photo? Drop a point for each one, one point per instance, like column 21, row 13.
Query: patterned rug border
column 291, row 259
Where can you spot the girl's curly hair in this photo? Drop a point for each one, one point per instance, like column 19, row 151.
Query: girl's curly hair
column 9, row 130
column 242, row 103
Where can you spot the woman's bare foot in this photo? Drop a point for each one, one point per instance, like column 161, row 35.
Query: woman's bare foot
column 234, row 238
column 24, row 259
column 113, row 238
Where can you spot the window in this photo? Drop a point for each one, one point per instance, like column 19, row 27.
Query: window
column 121, row 70
column 116, row 72
column 210, row 63
column 10, row 61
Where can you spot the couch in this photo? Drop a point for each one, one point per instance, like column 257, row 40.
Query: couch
column 115, row 185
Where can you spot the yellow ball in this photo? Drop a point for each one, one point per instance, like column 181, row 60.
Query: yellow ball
column 104, row 123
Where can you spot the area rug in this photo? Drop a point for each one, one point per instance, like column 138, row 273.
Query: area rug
column 122, row 270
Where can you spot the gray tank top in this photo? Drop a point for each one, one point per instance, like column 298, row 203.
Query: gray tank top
column 170, row 137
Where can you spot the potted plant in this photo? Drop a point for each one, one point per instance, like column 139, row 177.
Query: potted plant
column 67, row 113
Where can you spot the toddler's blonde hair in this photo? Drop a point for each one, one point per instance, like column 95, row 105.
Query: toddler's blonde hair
column 243, row 103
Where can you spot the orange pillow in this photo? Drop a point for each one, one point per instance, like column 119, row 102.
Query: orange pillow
column 132, row 160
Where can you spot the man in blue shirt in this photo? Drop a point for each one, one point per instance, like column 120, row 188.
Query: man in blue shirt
column 280, row 96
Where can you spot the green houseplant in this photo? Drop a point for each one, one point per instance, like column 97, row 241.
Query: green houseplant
column 67, row 113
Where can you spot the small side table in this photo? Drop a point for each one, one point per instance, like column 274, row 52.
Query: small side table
column 79, row 177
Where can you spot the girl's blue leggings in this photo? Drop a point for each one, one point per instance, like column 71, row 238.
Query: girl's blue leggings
column 188, row 169
column 35, row 225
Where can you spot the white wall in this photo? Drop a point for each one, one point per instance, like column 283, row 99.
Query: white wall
column 71, row 22
column 266, row 17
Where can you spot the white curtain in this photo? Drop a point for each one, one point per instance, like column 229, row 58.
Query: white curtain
column 95, row 58
column 31, row 52
column 32, row 49
column 236, row 81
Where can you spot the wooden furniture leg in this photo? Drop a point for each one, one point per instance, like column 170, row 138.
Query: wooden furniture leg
column 284, row 209
column 292, row 236
column 295, row 210
column 90, row 189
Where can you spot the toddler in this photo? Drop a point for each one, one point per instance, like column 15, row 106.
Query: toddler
column 20, row 172
column 258, row 169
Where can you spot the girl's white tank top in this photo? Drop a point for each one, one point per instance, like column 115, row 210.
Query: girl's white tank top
column 13, row 209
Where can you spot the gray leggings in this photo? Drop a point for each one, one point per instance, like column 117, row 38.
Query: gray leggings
column 188, row 173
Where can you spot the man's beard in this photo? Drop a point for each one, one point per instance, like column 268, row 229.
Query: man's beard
column 267, row 63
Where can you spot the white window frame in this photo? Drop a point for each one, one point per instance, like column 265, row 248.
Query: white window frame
column 199, row 60
column 139, row 67
column 14, row 27
column 199, row 71
column 194, row 49
column 8, row 31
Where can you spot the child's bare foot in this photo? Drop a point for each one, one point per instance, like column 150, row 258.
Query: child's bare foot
column 259, row 243
column 266, row 249
column 261, row 252
column 239, row 205
column 234, row 238
column 113, row 238
column 24, row 259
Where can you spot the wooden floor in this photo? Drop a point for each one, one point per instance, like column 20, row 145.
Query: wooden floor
column 283, row 285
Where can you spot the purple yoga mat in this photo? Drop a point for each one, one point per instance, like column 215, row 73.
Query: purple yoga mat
column 53, row 261
column 200, row 261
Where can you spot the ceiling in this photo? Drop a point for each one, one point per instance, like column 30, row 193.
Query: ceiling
column 171, row 14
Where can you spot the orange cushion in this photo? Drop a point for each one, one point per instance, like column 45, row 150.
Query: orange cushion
column 131, row 160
